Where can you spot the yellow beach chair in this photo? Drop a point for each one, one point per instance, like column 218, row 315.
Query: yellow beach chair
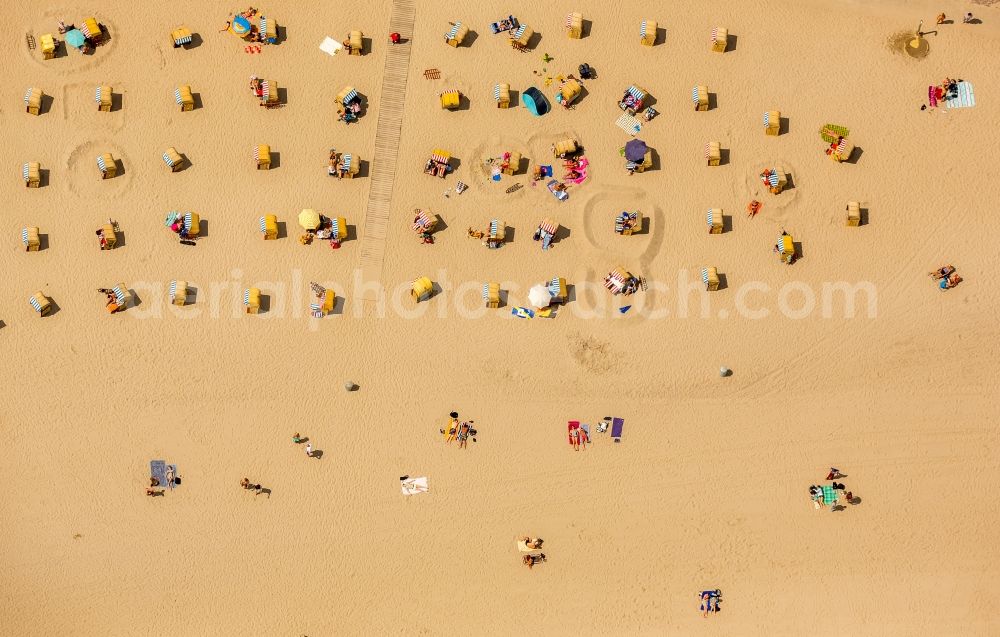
column 262, row 155
column 110, row 236
column 269, row 29
column 564, row 148
column 557, row 288
column 568, row 92
column 843, row 151
column 184, row 98
column 785, row 248
column 647, row 32
column 710, row 277
column 699, row 95
column 349, row 165
column 501, row 93
column 853, row 213
column 32, row 173
column 713, row 153
column 29, row 237
column 178, row 292
column 519, row 39
column 268, row 227
column 107, row 165
column 41, row 303
column 456, row 34
column 450, row 99
column 574, row 26
column 715, row 221
column 491, row 295
column 251, row 300
column 421, row 289
column 173, row 159
column 511, row 163
column 270, row 92
column 103, row 97
column 33, row 100
column 92, row 30
column 720, row 36
column 355, row 42
column 180, row 36
column 47, row 44
column 772, row 123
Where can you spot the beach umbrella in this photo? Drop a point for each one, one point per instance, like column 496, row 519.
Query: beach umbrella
column 309, row 219
column 75, row 38
column 240, row 26
column 635, row 150
column 539, row 296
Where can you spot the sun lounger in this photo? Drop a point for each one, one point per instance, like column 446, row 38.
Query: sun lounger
column 561, row 195
column 509, row 24
column 617, row 424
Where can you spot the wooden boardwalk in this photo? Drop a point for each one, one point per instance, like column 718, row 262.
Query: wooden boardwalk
column 390, row 121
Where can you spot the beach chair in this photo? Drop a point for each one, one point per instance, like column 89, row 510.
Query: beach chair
column 33, row 100
column 713, row 153
column 843, row 150
column 546, row 232
column 103, row 98
column 268, row 225
column 438, row 164
column 29, row 237
column 785, row 248
column 699, row 95
column 262, row 155
column 628, row 223
column 568, row 92
column 122, row 298
column 110, row 236
column 715, row 221
column 497, row 234
column 511, row 164
column 173, row 159
column 323, row 303
column 501, row 93
column 47, row 43
column 719, row 39
column 347, row 96
column 92, row 30
column 456, row 34
column 710, row 277
column 520, row 37
column 642, row 166
column 772, row 123
column 647, row 32
column 574, row 26
column 269, row 29
column 184, row 98
column 338, row 229
column 617, row 424
column 620, row 281
column 251, row 300
column 421, row 289
column 107, row 165
column 775, row 179
column 557, row 288
column 349, row 165
column 564, row 148
column 41, row 303
column 355, row 43
column 178, row 292
column 632, row 101
column 491, row 295
column 269, row 93
column 853, row 213
column 450, row 99
column 423, row 222
column 192, row 224
column 180, row 36
column 32, row 173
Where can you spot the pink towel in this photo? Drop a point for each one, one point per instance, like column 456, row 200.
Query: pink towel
column 932, row 96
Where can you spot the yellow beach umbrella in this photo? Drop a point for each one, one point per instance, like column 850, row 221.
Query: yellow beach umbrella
column 309, row 219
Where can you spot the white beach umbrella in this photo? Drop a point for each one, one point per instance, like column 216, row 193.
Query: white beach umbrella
column 539, row 296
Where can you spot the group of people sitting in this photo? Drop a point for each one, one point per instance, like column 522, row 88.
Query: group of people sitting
column 460, row 431
column 336, row 167
column 946, row 277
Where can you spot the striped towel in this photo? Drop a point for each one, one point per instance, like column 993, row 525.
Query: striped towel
column 635, row 92
column 187, row 222
column 494, row 228
column 265, row 89
column 767, row 119
column 263, row 224
column 263, row 25
column 350, row 97
column 187, row 38
column 629, row 124
column 642, row 30
column 965, row 98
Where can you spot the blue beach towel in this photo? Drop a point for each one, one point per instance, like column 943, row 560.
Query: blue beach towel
column 965, row 98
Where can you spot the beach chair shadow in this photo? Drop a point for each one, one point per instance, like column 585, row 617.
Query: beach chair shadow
column 282, row 230
column 791, row 183
column 61, row 50
column 45, row 105
column 121, row 168
column 783, row 126
column 282, row 34
column 184, row 164
column 195, row 42
column 435, row 289
column 136, row 299
column 511, row 231
column 643, row 228
column 585, row 26
column 196, row 98
column 855, row 155
column 43, row 177
column 863, row 214
column 203, row 229
column 339, row 303
column 275, row 159
column 515, row 98
column 798, row 250
column 727, row 223
column 192, row 295
column 713, row 101
column 470, row 37
column 364, row 168
column 582, row 96
column 570, row 293
column 723, row 281
column 463, row 102
column 455, row 163
column 116, row 102
column 265, row 303
column 55, row 306
column 503, row 298
column 282, row 96
column 43, row 242
column 723, row 156
column 661, row 36
column 533, row 41
column 2, row 324
column 731, row 41
column 561, row 234
column 441, row 225
column 366, row 45
column 352, row 232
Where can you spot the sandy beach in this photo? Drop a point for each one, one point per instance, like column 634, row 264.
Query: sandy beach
column 849, row 357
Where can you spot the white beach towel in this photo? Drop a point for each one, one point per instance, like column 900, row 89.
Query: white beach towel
column 413, row 486
column 629, row 124
column 330, row 46
column 965, row 99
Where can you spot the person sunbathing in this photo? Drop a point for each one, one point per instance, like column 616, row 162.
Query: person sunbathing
column 463, row 435
column 941, row 273
column 584, row 437
column 532, row 544
column 476, row 234
column 753, row 208
column 530, row 560
column 574, row 439
column 950, row 282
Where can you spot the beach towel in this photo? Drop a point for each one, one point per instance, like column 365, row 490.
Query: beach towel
column 522, row 312
column 158, row 470
column 932, row 96
column 581, row 167
column 330, row 46
column 585, row 438
column 629, row 124
column 965, row 98
column 523, row 547
column 546, row 171
column 413, row 486
column 571, row 426
column 617, row 424
column 604, row 424
column 829, row 494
